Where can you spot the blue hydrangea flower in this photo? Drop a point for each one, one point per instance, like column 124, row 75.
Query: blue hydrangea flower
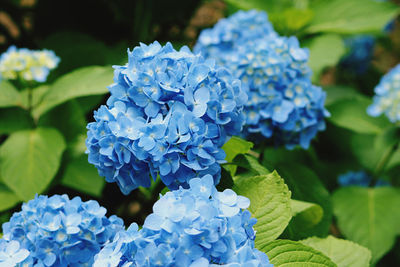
column 169, row 114
column 58, row 231
column 198, row 226
column 359, row 178
column 283, row 104
column 359, row 53
column 11, row 253
column 387, row 96
column 28, row 65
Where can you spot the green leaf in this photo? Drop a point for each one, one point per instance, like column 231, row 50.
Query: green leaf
column 295, row 254
column 351, row 114
column 368, row 216
column 251, row 164
column 30, row 159
column 305, row 215
column 234, row 147
column 342, row 252
column 9, row 95
column 82, row 176
column 319, row 57
column 8, row 199
column 14, row 119
column 335, row 93
column 351, row 16
column 85, row 81
column 305, row 185
column 270, row 204
column 68, row 118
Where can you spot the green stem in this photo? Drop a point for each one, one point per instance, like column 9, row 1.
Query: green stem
column 29, row 99
column 380, row 167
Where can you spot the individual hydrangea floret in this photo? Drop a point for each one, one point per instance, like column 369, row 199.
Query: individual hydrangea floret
column 387, row 96
column 11, row 253
column 283, row 104
column 358, row 178
column 57, row 231
column 27, row 65
column 169, row 114
column 359, row 53
column 199, row 226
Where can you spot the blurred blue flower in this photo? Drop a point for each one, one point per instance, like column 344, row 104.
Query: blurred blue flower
column 57, row 231
column 198, row 226
column 387, row 96
column 11, row 253
column 358, row 178
column 28, row 65
column 169, row 114
column 359, row 53
column 283, row 104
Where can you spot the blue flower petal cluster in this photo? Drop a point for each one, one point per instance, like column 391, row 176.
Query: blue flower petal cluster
column 359, row 178
column 58, row 231
column 199, row 226
column 169, row 114
column 360, row 51
column 28, row 65
column 283, row 103
column 11, row 253
column 387, row 96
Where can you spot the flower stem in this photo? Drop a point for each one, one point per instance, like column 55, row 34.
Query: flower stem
column 380, row 167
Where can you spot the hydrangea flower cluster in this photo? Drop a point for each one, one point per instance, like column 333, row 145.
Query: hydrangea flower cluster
column 283, row 103
column 192, row 227
column 360, row 50
column 28, row 65
column 169, row 114
column 11, row 253
column 359, row 178
column 387, row 96
column 58, row 231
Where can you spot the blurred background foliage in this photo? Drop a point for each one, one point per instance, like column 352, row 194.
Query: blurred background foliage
column 91, row 32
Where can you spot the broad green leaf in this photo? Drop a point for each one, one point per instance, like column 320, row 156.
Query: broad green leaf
column 342, row 252
column 9, row 95
column 270, row 204
column 325, row 51
column 305, row 214
column 85, row 81
column 368, row 216
column 352, row 114
column 305, row 185
column 30, row 159
column 8, row 199
column 89, row 103
column 14, row 119
column 251, row 164
column 290, row 20
column 289, row 253
column 68, row 118
column 234, row 147
column 82, row 176
column 351, row 16
column 335, row 93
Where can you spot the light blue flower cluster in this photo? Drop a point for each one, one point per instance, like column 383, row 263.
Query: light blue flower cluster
column 169, row 114
column 28, row 65
column 359, row 178
column 359, row 53
column 283, row 103
column 196, row 227
column 58, row 231
column 11, row 253
column 387, row 96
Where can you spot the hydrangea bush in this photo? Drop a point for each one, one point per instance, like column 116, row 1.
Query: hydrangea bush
column 198, row 226
column 27, row 65
column 57, row 231
column 387, row 96
column 169, row 114
column 283, row 103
